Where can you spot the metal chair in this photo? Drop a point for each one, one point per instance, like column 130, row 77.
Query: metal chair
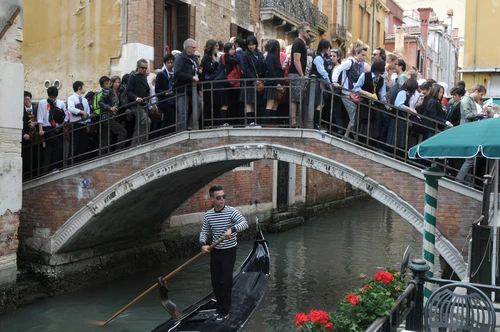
column 472, row 311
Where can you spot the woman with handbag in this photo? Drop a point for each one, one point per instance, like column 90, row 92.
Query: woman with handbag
column 253, row 67
column 319, row 70
column 274, row 92
column 209, row 65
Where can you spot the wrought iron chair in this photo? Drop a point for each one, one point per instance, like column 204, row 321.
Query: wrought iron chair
column 472, row 311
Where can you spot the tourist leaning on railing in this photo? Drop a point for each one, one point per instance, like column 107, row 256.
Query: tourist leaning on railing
column 319, row 70
column 397, row 133
column 371, row 86
column 274, row 70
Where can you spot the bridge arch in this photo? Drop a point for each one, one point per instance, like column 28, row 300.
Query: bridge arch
column 83, row 225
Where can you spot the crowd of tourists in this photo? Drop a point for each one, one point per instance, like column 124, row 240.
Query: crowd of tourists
column 238, row 84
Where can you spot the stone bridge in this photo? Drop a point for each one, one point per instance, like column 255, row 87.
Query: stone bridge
column 71, row 215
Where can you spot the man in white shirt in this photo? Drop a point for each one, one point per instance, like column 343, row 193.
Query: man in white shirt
column 470, row 107
column 51, row 116
column 79, row 110
column 350, row 70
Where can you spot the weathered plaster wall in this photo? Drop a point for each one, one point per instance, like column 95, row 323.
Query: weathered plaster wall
column 69, row 40
column 11, row 102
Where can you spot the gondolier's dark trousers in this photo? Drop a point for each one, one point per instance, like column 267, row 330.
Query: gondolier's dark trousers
column 221, row 270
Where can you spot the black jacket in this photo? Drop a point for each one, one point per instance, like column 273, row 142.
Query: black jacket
column 185, row 68
column 137, row 87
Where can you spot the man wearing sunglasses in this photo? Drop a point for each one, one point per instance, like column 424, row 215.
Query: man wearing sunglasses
column 222, row 221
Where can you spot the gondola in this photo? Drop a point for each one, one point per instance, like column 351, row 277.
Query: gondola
column 249, row 287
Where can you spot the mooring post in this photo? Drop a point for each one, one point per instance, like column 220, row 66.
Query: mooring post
column 432, row 175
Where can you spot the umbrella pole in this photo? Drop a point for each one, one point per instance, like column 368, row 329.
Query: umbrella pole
column 432, row 175
column 495, row 229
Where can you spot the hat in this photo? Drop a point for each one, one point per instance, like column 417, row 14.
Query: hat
column 176, row 52
column 421, row 81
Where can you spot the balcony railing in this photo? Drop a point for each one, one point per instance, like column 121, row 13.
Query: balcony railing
column 338, row 31
column 296, row 12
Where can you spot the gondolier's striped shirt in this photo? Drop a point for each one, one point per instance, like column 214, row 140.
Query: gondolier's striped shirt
column 219, row 222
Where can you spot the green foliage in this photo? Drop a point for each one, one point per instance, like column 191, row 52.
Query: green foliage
column 360, row 307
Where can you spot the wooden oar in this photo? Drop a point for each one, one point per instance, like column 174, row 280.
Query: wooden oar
column 163, row 279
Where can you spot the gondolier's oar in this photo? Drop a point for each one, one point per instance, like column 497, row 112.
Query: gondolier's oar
column 163, row 279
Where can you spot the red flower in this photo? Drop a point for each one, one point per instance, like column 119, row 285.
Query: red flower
column 384, row 276
column 352, row 298
column 328, row 326
column 319, row 316
column 365, row 287
column 301, row 318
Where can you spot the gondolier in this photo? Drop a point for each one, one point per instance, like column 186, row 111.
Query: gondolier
column 226, row 221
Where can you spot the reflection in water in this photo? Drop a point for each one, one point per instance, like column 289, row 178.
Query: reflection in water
column 312, row 266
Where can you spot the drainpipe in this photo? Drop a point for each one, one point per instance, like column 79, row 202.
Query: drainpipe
column 375, row 2
column 10, row 22
column 475, row 43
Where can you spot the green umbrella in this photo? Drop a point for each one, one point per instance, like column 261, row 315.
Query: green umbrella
column 464, row 141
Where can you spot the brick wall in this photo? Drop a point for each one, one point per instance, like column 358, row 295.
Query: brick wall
column 242, row 187
column 322, row 187
column 140, row 26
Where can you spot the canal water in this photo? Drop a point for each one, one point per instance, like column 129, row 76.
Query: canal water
column 312, row 266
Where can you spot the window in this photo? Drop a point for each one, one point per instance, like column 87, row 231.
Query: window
column 377, row 34
column 349, row 16
column 361, row 23
column 368, row 25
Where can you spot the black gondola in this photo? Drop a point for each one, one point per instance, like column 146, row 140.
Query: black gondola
column 249, row 286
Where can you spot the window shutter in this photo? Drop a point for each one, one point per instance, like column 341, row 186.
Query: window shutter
column 186, row 20
column 233, row 29
column 159, row 37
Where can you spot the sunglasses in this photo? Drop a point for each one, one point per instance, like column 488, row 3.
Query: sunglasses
column 334, row 50
column 144, row 67
column 304, row 30
column 374, row 54
column 220, row 198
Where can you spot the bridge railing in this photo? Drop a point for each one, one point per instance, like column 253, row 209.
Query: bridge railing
column 163, row 114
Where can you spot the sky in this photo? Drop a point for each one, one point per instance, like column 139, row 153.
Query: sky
column 440, row 8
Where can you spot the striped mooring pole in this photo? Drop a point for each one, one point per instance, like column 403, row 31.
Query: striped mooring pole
column 432, row 175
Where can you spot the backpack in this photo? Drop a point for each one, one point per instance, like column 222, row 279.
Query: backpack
column 56, row 114
column 234, row 74
column 352, row 74
column 95, row 103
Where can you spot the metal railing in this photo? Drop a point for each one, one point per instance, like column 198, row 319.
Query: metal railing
column 299, row 10
column 409, row 309
column 321, row 108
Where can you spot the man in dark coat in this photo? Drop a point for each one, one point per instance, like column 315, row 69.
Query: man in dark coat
column 185, row 73
column 138, row 89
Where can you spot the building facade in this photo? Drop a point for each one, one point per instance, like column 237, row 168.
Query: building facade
column 481, row 65
column 427, row 45
column 359, row 20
